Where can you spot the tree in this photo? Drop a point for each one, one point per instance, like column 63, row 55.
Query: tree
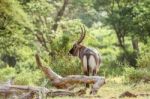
column 13, row 22
column 14, row 30
column 127, row 19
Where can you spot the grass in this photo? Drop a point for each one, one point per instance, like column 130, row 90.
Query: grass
column 116, row 86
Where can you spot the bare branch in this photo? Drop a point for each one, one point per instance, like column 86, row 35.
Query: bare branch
column 42, row 41
column 59, row 15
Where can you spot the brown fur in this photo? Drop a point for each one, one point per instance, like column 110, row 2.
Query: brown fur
column 79, row 51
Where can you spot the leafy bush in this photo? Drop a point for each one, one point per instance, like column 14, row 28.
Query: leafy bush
column 135, row 75
column 67, row 66
column 7, row 73
column 112, row 68
column 128, row 57
column 28, row 77
column 144, row 60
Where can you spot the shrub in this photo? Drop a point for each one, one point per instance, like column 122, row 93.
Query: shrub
column 144, row 60
column 28, row 77
column 112, row 68
column 67, row 66
column 128, row 57
column 7, row 73
column 135, row 75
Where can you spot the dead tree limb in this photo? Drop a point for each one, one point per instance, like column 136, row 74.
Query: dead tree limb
column 42, row 41
column 66, row 82
column 30, row 92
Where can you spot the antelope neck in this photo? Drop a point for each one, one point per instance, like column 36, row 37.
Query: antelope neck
column 80, row 51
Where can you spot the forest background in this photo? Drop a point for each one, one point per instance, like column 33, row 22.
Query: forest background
column 118, row 29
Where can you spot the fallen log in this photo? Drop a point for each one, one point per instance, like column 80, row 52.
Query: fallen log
column 30, row 92
column 66, row 82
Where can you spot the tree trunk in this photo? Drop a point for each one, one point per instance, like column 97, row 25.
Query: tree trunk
column 120, row 36
column 59, row 15
column 135, row 44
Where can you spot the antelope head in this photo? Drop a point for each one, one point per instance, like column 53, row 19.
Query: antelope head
column 76, row 46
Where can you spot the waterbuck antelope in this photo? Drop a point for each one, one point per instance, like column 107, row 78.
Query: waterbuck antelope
column 89, row 57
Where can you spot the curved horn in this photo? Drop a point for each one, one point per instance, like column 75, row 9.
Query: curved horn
column 83, row 32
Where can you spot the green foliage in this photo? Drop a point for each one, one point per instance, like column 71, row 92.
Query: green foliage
column 127, row 19
column 135, row 75
column 128, row 57
column 12, row 9
column 25, row 77
column 110, row 25
column 144, row 60
column 110, row 69
column 144, row 57
column 7, row 73
column 26, row 59
column 28, row 77
column 14, row 24
column 66, row 66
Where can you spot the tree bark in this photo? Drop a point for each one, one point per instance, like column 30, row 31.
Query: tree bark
column 135, row 44
column 30, row 92
column 120, row 36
